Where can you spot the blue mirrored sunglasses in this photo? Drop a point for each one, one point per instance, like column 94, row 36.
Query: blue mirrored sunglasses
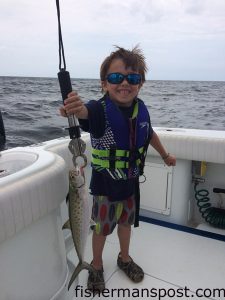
column 117, row 78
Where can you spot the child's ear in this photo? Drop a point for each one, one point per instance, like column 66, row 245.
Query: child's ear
column 104, row 85
column 140, row 86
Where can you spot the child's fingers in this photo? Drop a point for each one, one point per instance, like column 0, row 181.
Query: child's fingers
column 72, row 98
column 72, row 105
column 73, row 108
column 71, row 94
column 62, row 112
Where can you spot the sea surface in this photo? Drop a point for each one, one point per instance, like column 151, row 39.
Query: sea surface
column 30, row 106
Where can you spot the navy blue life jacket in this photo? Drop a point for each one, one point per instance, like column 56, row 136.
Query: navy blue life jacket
column 121, row 151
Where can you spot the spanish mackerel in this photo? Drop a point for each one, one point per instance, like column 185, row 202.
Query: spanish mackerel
column 79, row 217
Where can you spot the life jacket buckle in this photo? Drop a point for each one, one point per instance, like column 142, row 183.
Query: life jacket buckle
column 112, row 158
column 134, row 155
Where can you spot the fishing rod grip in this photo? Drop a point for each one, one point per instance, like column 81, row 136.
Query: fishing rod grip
column 66, row 88
column 64, row 83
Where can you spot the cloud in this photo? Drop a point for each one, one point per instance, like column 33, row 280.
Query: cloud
column 193, row 7
column 163, row 28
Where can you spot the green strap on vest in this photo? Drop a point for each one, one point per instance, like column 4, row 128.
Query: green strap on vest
column 102, row 158
column 135, row 111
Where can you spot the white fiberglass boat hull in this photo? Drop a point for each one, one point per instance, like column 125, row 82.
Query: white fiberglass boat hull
column 36, row 257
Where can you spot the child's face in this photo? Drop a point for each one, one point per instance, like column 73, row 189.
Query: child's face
column 123, row 93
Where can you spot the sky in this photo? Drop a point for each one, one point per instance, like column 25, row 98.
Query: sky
column 181, row 39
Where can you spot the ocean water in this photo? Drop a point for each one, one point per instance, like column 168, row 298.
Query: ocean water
column 30, row 106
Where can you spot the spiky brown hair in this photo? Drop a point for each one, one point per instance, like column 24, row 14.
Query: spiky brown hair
column 133, row 59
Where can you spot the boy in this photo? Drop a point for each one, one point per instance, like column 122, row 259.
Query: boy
column 120, row 129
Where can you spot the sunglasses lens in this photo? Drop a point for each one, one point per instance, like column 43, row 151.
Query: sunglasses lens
column 115, row 78
column 134, row 79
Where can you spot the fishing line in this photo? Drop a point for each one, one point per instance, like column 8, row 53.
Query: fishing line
column 63, row 75
column 61, row 47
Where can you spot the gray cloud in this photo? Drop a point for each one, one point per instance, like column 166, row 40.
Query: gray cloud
column 28, row 31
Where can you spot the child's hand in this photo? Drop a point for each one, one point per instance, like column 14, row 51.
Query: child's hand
column 74, row 106
column 170, row 160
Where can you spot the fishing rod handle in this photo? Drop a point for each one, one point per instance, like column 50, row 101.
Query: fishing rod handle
column 66, row 88
column 64, row 83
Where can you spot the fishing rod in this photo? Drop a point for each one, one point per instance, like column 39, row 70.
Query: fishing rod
column 77, row 145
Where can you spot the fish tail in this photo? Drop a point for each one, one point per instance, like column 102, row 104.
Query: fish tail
column 81, row 266
column 67, row 225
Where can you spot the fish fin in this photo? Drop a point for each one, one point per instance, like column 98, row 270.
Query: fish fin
column 92, row 223
column 66, row 225
column 67, row 197
column 81, row 266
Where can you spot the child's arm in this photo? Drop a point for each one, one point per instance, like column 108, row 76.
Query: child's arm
column 74, row 105
column 170, row 160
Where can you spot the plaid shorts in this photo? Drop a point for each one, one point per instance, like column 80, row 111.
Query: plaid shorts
column 107, row 214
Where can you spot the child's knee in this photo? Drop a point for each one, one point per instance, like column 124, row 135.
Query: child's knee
column 124, row 229
column 104, row 229
column 125, row 225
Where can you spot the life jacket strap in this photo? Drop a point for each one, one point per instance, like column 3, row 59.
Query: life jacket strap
column 116, row 158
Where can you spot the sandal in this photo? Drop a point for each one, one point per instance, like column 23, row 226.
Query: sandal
column 131, row 269
column 96, row 282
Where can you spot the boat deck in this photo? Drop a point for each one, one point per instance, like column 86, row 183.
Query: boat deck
column 176, row 265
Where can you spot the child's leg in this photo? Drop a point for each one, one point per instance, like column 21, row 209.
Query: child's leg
column 98, row 242
column 124, row 232
column 124, row 261
column 96, row 281
column 125, row 221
